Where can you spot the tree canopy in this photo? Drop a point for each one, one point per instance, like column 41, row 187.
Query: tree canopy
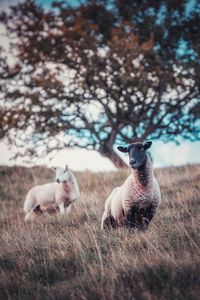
column 100, row 73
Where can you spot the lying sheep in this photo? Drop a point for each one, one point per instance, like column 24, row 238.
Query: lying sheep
column 134, row 203
column 56, row 195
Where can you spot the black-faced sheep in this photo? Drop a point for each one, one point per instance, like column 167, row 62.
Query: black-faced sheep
column 135, row 202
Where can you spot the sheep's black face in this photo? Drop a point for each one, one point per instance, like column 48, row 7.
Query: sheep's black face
column 137, row 153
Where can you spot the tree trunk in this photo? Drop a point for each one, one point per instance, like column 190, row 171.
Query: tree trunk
column 113, row 156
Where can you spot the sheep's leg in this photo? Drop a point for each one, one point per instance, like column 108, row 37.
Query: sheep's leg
column 140, row 216
column 35, row 210
column 146, row 217
column 131, row 217
column 62, row 208
column 108, row 222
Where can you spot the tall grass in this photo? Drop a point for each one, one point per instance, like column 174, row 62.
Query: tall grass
column 69, row 257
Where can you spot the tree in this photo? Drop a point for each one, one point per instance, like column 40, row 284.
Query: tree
column 99, row 74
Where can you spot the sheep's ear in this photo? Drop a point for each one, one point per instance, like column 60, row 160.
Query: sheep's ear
column 122, row 149
column 66, row 167
column 147, row 145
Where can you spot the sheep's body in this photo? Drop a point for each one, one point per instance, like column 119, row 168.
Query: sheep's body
column 51, row 195
column 135, row 202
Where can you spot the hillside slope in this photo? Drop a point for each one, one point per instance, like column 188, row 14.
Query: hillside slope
column 69, row 257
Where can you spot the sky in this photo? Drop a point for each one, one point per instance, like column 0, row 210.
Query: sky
column 163, row 154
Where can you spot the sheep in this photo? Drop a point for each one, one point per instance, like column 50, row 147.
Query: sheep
column 56, row 195
column 134, row 203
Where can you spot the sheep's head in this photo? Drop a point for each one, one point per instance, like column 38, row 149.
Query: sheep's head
column 137, row 153
column 63, row 175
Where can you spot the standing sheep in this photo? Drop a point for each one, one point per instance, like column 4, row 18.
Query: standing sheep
column 134, row 203
column 61, row 194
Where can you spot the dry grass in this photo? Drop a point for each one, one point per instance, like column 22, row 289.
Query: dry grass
column 71, row 258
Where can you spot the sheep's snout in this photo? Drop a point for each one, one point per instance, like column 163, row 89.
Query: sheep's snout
column 133, row 162
column 66, row 186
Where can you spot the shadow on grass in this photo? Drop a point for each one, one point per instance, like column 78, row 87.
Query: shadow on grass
column 160, row 282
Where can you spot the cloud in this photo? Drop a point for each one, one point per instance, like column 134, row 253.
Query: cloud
column 172, row 155
column 80, row 159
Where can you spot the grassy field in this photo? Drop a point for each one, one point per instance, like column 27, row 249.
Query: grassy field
column 69, row 257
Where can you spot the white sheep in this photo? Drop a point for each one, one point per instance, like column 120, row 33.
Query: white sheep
column 60, row 194
column 135, row 202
